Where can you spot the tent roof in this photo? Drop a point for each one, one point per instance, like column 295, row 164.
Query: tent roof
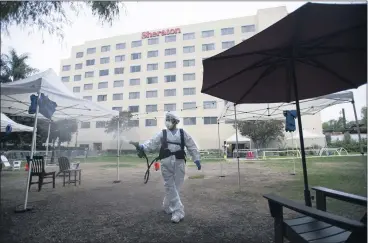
column 16, row 127
column 15, row 98
column 241, row 139
column 306, row 134
column 275, row 110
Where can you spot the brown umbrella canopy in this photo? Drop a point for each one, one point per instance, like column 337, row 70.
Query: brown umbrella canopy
column 328, row 46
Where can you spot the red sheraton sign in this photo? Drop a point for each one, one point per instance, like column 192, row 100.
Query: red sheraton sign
column 148, row 34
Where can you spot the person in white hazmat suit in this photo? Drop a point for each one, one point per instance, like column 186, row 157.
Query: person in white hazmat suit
column 173, row 166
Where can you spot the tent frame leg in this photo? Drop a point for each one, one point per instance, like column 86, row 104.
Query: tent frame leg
column 237, row 146
column 118, row 153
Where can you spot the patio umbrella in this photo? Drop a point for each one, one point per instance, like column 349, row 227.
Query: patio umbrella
column 316, row 50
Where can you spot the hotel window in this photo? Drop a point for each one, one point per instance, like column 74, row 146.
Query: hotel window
column 88, row 87
column 105, row 48
column 188, row 76
column 133, row 123
column 119, row 70
column 134, row 82
column 104, row 72
column 100, row 124
column 169, row 107
column 248, row 28
column 91, row 50
column 78, row 66
column 118, row 83
column 152, row 54
column 136, row 56
column 120, row 58
column 170, row 38
column 117, row 96
column 79, row 55
column 189, row 63
column 77, row 77
column 103, row 85
column 89, row 74
column 65, row 79
column 209, row 104
column 210, row 120
column 66, row 67
column 117, row 108
column 152, row 66
column 76, row 89
column 101, row 98
column 189, row 106
column 227, row 31
column 136, row 43
column 208, row 47
column 104, row 60
column 90, row 62
column 170, row 78
column 134, row 95
column 188, row 49
column 135, row 69
column 189, row 121
column 170, row 51
column 189, row 91
column 169, row 92
column 151, row 122
column 152, row 80
column 208, row 33
column 151, row 94
column 189, row 36
column 120, row 46
column 151, row 108
column 169, row 65
column 228, row 44
column 153, row 41
column 134, row 108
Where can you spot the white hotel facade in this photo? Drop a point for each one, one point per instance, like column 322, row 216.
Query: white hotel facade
column 156, row 71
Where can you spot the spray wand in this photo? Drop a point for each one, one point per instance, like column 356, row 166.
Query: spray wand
column 141, row 154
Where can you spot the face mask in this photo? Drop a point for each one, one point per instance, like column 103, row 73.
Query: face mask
column 169, row 125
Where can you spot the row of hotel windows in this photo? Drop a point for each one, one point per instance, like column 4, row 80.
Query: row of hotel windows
column 169, row 38
column 153, row 122
column 150, row 54
column 170, row 107
column 136, row 95
column 133, row 69
column 134, row 82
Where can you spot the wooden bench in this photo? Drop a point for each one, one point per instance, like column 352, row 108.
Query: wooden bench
column 316, row 225
column 38, row 169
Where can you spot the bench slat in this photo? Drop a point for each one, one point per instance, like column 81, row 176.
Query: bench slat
column 339, row 238
column 309, row 227
column 299, row 221
column 323, row 233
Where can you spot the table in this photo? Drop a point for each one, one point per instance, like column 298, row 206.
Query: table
column 76, row 171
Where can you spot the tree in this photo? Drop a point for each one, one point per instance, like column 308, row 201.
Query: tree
column 51, row 16
column 364, row 115
column 334, row 125
column 62, row 131
column 14, row 67
column 262, row 132
column 124, row 123
column 328, row 139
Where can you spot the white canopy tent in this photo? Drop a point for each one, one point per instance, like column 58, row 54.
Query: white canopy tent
column 310, row 139
column 267, row 111
column 15, row 100
column 241, row 139
column 16, row 127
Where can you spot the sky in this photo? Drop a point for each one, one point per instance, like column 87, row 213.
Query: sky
column 46, row 51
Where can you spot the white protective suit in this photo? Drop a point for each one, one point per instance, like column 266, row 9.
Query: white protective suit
column 172, row 169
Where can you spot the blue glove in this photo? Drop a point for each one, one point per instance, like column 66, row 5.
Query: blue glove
column 198, row 164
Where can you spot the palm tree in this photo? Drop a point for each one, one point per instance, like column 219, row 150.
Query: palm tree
column 14, row 67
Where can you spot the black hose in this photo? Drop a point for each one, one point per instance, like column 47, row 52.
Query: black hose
column 147, row 174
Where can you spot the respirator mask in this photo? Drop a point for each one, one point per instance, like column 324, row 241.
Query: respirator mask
column 170, row 123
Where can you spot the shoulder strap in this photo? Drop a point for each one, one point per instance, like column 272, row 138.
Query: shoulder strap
column 164, row 138
column 182, row 143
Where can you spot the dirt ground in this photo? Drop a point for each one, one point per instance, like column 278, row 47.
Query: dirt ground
column 100, row 211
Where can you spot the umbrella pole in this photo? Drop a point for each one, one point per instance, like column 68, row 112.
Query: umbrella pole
column 219, row 144
column 307, row 196
column 237, row 146
column 118, row 162
column 31, row 158
column 360, row 142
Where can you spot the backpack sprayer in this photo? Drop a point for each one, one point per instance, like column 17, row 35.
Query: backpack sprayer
column 141, row 154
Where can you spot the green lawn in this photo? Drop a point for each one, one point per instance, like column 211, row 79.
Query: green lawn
column 341, row 173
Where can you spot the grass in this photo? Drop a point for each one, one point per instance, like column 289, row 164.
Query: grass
column 340, row 173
